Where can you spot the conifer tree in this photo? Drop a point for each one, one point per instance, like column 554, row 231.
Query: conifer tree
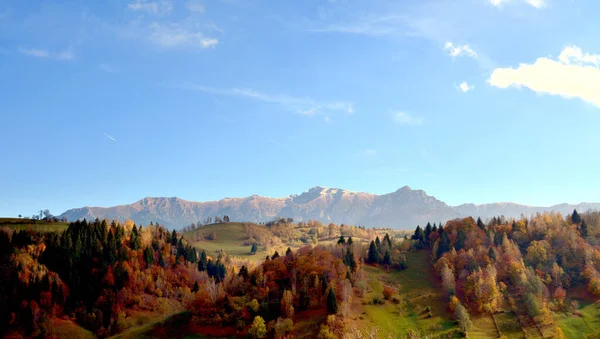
column 575, row 217
column 373, row 256
column 331, row 302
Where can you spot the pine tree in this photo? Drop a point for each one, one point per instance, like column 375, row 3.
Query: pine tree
column 419, row 235
column 492, row 254
column 254, row 249
column 444, row 245
column 575, row 217
column 341, row 240
column 288, row 252
column 349, row 260
column 196, row 287
column 583, row 229
column 428, row 230
column 460, row 239
column 331, row 302
column 202, row 263
column 174, row 238
column 480, row 223
column 373, row 256
column 148, row 256
column 387, row 258
column 387, row 240
column 275, row 256
column 349, row 240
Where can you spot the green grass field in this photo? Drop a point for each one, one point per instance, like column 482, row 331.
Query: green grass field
column 33, row 225
column 416, row 291
column 62, row 328
column 230, row 238
column 584, row 324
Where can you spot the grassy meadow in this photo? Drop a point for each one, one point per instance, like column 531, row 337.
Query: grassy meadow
column 19, row 224
column 230, row 237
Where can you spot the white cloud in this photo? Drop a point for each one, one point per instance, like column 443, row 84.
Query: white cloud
column 195, row 7
column 368, row 152
column 109, row 137
column 108, row 68
column 455, row 51
column 404, row 118
column 64, row 55
column 537, row 3
column 573, row 75
column 156, row 8
column 533, row 3
column 177, row 34
column 574, row 55
column 310, row 111
column 327, row 119
column 38, row 53
column 465, row 87
column 301, row 105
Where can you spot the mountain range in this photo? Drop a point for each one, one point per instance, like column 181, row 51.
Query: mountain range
column 402, row 209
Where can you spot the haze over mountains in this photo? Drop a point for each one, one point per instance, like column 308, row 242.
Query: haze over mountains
column 402, row 209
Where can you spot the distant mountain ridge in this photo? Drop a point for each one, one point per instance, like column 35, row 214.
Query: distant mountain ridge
column 402, row 209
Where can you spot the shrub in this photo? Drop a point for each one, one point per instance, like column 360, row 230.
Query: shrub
column 388, row 292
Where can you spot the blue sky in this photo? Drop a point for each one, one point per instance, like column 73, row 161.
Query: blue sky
column 106, row 102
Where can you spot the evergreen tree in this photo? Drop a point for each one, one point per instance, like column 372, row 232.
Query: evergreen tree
column 254, row 249
column 331, row 302
column 428, row 230
column 460, row 239
column 480, row 223
column 575, row 217
column 378, row 244
column 387, row 258
column 275, row 256
column 434, row 229
column 174, row 238
column 161, row 260
column 135, row 241
column 288, row 252
column 202, row 263
column 349, row 240
column 419, row 235
column 349, row 260
column 373, row 256
column 444, row 245
column 148, row 256
column 492, row 254
column 243, row 273
column 387, row 240
column 583, row 229
column 196, row 287
column 341, row 240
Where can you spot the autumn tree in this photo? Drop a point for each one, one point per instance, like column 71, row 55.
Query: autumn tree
column 287, row 304
column 258, row 328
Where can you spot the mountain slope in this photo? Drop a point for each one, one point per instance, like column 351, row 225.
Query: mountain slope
column 403, row 208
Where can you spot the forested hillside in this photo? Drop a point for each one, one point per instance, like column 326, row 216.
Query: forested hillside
column 516, row 278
